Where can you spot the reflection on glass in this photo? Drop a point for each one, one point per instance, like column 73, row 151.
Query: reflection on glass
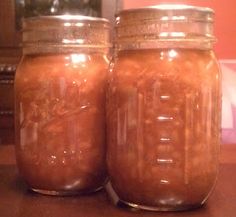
column 58, row 7
column 31, row 8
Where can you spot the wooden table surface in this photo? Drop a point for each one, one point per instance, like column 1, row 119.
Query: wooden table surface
column 16, row 201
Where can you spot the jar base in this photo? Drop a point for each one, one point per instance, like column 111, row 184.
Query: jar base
column 128, row 205
column 64, row 193
column 133, row 206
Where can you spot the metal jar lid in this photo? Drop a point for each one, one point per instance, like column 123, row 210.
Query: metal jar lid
column 65, row 32
column 164, row 23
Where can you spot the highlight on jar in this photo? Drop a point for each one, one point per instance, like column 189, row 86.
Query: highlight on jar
column 60, row 104
column 163, row 109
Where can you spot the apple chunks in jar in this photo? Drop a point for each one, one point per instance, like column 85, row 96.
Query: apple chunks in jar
column 163, row 117
column 60, row 122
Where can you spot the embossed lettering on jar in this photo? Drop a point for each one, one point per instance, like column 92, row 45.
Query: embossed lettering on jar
column 163, row 109
column 60, row 99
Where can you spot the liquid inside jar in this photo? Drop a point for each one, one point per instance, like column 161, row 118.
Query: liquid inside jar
column 60, row 122
column 163, row 116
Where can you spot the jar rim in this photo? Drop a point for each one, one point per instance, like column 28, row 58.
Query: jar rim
column 67, row 17
column 168, row 7
column 64, row 33
column 173, row 23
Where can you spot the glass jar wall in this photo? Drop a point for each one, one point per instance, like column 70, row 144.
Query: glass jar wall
column 60, row 104
column 163, row 109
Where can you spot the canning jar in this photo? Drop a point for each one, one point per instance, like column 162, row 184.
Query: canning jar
column 60, row 104
column 163, row 108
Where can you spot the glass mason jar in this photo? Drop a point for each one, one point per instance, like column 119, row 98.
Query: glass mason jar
column 164, row 108
column 59, row 104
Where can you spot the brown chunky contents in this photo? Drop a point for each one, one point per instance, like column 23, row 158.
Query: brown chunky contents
column 163, row 115
column 60, row 124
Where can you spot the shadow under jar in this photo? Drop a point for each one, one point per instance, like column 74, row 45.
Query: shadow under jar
column 60, row 104
column 163, row 108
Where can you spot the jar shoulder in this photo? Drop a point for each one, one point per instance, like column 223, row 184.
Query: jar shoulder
column 175, row 63
column 68, row 66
